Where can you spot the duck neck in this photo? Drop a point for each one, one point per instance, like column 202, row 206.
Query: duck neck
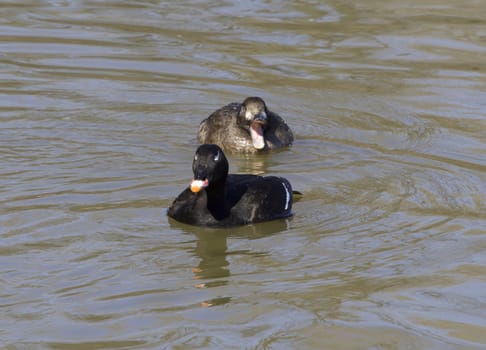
column 216, row 197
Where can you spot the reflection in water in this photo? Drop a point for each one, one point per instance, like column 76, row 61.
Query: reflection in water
column 249, row 164
column 211, row 248
column 213, row 268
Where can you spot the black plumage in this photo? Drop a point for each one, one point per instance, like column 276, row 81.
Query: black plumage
column 216, row 198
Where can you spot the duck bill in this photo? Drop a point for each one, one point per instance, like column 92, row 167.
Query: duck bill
column 256, row 132
column 198, row 185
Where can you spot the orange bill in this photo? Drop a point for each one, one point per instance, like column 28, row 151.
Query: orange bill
column 198, row 185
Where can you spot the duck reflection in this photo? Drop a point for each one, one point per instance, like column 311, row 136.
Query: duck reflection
column 211, row 248
column 259, row 164
column 246, row 165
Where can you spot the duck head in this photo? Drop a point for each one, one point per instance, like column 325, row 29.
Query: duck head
column 209, row 167
column 253, row 118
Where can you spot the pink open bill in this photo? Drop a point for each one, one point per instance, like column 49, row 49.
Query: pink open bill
column 256, row 131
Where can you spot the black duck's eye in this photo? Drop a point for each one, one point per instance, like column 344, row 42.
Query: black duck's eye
column 216, row 157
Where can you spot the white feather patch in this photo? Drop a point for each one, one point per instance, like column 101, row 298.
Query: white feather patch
column 287, row 196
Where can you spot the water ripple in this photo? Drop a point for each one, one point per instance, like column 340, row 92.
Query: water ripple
column 99, row 108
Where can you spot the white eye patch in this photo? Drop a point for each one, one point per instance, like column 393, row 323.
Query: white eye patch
column 217, row 156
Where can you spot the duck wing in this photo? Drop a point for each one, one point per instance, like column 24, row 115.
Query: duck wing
column 214, row 128
column 255, row 198
column 278, row 133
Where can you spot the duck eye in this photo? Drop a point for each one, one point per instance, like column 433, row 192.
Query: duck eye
column 195, row 157
column 216, row 157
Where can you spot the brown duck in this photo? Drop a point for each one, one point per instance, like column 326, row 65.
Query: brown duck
column 247, row 127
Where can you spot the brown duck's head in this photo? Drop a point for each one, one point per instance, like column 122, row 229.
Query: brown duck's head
column 253, row 118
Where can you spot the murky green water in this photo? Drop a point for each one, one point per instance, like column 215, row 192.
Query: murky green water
column 99, row 108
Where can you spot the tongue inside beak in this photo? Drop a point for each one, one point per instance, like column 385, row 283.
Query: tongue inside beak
column 256, row 131
column 198, row 185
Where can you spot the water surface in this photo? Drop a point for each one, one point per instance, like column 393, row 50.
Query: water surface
column 99, row 108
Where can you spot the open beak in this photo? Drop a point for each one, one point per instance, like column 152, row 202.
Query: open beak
column 256, row 131
column 198, row 185
column 260, row 118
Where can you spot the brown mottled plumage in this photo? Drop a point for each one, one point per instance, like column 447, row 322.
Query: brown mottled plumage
column 247, row 127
